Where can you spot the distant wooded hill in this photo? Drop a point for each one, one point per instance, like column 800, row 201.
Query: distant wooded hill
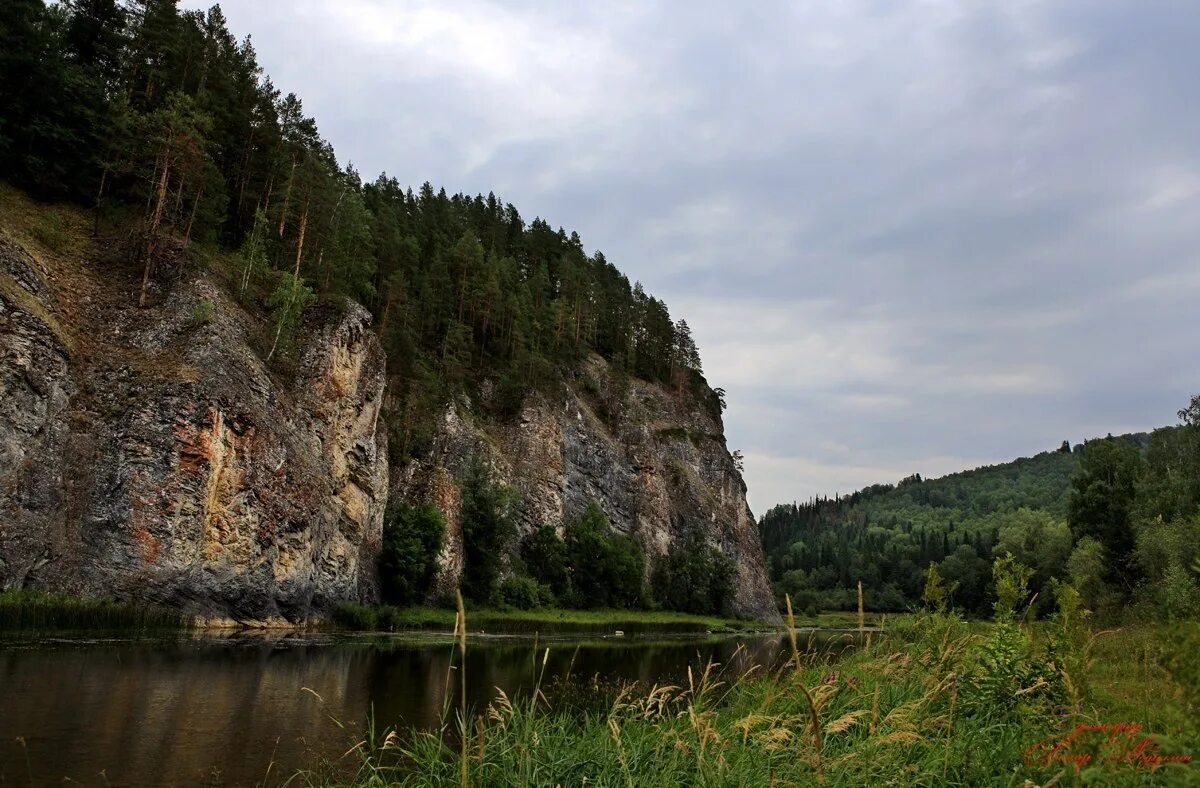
column 887, row 535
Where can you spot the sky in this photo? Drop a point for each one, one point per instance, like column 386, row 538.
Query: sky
column 909, row 237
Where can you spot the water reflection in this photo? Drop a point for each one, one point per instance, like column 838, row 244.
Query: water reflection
column 222, row 710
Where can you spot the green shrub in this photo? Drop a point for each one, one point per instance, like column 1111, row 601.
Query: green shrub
column 1165, row 552
column 351, row 615
column 1086, row 568
column 488, row 528
column 1177, row 594
column 525, row 593
column 1072, row 615
column 693, row 577
column 287, row 302
column 591, row 566
column 509, row 394
column 387, row 618
column 202, row 313
column 412, row 539
column 937, row 593
column 1008, row 672
column 607, row 569
column 252, row 257
column 50, row 231
column 545, row 556
column 1011, row 579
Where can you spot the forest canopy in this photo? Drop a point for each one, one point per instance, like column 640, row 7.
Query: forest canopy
column 1116, row 520
column 165, row 123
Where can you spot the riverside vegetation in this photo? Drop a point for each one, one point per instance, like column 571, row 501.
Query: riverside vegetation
column 935, row 700
column 40, row 611
column 1042, row 694
column 586, row 566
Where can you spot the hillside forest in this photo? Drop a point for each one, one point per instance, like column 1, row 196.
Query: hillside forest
column 165, row 129
column 1115, row 519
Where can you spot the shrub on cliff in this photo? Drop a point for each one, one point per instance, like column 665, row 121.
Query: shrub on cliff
column 607, row 569
column 692, row 578
column 488, row 528
column 545, row 555
column 412, row 539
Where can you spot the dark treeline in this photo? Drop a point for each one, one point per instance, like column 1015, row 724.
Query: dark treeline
column 1115, row 519
column 165, row 124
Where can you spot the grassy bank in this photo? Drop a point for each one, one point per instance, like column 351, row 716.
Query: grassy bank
column 364, row 618
column 842, row 619
column 935, row 701
column 26, row 611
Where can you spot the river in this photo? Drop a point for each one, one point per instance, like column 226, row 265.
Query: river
column 207, row 709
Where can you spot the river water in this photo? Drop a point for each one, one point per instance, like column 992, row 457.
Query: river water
column 249, row 710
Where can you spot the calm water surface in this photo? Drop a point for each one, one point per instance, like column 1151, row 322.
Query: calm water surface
column 211, row 710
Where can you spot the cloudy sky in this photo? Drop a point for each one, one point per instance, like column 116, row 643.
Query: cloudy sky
column 909, row 236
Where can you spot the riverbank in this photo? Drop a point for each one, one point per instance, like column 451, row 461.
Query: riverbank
column 930, row 700
column 384, row 618
column 936, row 701
column 240, row 708
column 34, row 611
column 364, row 618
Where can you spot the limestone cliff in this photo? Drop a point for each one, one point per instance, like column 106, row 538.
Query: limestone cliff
column 653, row 458
column 151, row 454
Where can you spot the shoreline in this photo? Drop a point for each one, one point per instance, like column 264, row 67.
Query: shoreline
column 48, row 613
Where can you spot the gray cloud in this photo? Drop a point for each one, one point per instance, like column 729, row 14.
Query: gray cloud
column 908, row 236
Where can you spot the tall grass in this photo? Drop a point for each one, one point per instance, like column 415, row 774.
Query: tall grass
column 26, row 610
column 50, row 231
column 385, row 618
column 934, row 701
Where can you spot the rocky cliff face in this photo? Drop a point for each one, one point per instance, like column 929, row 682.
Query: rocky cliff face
column 654, row 459
column 150, row 453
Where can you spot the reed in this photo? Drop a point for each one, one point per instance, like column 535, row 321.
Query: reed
column 460, row 629
column 27, row 610
column 860, row 608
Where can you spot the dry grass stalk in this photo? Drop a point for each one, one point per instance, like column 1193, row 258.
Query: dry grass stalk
column 845, row 722
column 860, row 609
column 816, row 729
column 791, row 627
column 460, row 628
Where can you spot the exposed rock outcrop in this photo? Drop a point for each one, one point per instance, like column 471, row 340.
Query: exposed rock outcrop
column 654, row 459
column 152, row 455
